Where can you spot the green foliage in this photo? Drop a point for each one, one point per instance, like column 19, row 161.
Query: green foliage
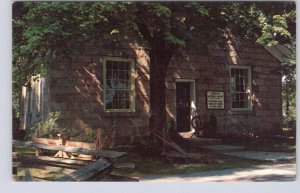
column 267, row 23
column 161, row 10
column 288, row 69
column 90, row 136
column 288, row 72
column 171, row 38
column 39, row 31
column 270, row 30
column 48, row 127
column 64, row 130
column 44, row 32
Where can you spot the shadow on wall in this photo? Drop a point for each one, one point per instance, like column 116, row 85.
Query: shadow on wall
column 77, row 92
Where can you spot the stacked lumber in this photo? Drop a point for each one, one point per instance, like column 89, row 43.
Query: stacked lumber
column 72, row 169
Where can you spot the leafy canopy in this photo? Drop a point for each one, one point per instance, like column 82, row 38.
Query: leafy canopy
column 45, row 31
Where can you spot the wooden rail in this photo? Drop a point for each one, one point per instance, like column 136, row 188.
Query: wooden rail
column 97, row 153
column 88, row 172
column 69, row 143
column 73, row 170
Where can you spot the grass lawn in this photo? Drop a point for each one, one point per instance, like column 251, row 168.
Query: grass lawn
column 155, row 165
column 271, row 145
column 40, row 174
column 264, row 144
column 151, row 164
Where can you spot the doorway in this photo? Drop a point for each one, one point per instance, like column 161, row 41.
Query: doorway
column 185, row 104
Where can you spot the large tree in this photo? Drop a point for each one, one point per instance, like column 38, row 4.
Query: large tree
column 42, row 31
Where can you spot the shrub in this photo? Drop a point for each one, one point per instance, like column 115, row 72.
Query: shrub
column 48, row 127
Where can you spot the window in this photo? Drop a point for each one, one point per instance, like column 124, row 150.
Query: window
column 119, row 92
column 240, row 87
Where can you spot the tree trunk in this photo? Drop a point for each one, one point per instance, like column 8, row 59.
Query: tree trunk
column 157, row 101
column 160, row 56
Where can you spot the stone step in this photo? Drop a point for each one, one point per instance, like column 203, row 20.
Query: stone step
column 224, row 148
column 200, row 142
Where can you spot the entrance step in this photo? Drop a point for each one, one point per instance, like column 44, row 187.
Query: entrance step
column 201, row 142
column 224, row 148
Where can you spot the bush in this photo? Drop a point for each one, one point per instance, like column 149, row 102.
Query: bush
column 47, row 128
column 289, row 125
column 90, row 136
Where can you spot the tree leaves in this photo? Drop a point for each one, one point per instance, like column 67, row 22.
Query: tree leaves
column 161, row 11
column 42, row 26
column 278, row 26
column 174, row 40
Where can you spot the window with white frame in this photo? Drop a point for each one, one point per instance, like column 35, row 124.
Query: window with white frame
column 119, row 91
column 240, row 87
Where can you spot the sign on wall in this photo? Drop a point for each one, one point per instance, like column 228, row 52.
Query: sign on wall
column 215, row 99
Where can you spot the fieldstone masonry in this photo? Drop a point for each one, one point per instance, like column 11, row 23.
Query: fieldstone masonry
column 75, row 88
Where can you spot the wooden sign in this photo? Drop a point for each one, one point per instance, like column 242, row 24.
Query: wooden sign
column 215, row 99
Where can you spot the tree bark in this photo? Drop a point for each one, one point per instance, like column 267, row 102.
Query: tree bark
column 160, row 55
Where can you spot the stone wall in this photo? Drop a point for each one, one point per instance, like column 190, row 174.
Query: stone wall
column 75, row 88
column 211, row 71
column 77, row 92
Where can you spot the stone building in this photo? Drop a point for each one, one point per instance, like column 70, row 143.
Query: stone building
column 107, row 91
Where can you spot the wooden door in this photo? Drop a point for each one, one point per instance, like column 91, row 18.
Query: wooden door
column 183, row 106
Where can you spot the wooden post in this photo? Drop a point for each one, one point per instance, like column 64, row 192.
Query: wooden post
column 62, row 138
column 98, row 139
column 14, row 169
column 37, row 151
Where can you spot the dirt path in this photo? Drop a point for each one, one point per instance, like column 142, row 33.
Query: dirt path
column 272, row 172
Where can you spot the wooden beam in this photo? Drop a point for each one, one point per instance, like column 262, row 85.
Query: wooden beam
column 99, row 153
column 90, row 146
column 46, row 159
column 170, row 143
column 124, row 165
column 88, row 172
column 46, row 141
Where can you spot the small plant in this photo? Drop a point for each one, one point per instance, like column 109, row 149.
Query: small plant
column 47, row 127
column 64, row 130
column 90, row 136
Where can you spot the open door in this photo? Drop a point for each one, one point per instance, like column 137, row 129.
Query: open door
column 185, row 104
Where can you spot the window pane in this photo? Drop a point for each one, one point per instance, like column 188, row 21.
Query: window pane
column 109, row 96
column 117, row 94
column 126, row 104
column 239, row 83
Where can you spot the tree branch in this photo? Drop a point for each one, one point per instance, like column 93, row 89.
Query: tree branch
column 144, row 31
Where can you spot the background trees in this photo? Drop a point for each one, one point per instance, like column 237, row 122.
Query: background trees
column 288, row 72
column 45, row 31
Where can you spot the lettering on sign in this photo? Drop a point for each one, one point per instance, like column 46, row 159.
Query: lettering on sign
column 215, row 99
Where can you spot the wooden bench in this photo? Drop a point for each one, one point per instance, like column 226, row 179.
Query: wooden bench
column 98, row 153
column 73, row 170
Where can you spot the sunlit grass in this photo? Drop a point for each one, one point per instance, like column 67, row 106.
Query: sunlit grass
column 40, row 174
